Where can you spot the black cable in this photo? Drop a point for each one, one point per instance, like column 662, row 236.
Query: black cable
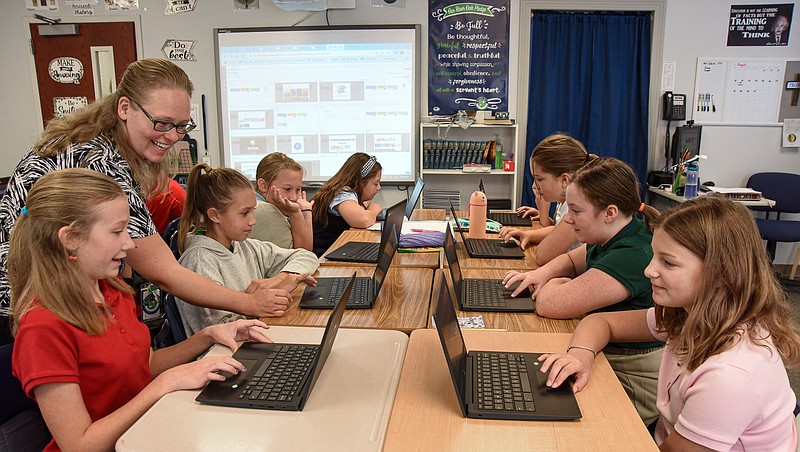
column 667, row 150
column 327, row 21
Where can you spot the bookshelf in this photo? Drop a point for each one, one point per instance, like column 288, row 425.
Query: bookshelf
column 456, row 145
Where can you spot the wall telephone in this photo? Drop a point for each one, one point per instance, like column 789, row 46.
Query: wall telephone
column 674, row 106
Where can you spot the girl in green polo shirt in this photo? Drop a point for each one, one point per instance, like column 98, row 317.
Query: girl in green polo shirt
column 605, row 274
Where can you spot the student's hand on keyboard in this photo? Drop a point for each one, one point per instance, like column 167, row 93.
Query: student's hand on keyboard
column 578, row 363
column 196, row 374
column 290, row 281
column 507, row 233
column 268, row 302
column 528, row 212
column 532, row 278
column 230, row 334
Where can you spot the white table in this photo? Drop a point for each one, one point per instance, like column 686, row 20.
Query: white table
column 348, row 408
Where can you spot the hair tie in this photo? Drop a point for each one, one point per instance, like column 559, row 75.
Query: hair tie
column 368, row 165
column 587, row 159
column 641, row 208
column 24, row 211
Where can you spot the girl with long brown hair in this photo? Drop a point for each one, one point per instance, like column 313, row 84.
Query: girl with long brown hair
column 726, row 321
column 345, row 201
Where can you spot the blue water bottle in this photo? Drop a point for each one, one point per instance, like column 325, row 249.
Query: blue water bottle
column 692, row 176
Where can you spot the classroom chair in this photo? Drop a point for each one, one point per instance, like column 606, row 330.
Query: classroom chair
column 174, row 319
column 21, row 425
column 171, row 236
column 783, row 188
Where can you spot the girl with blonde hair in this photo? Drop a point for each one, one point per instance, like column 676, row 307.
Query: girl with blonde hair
column 283, row 213
column 80, row 349
column 213, row 238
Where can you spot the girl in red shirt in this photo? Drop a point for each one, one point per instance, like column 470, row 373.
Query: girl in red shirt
column 80, row 350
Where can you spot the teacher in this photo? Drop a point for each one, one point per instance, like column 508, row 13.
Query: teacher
column 126, row 135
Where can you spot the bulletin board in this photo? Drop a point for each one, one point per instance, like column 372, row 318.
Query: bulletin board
column 729, row 90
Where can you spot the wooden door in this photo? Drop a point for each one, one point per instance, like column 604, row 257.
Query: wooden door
column 73, row 69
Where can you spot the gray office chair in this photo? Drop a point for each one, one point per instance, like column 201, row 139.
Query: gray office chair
column 784, row 189
column 21, row 425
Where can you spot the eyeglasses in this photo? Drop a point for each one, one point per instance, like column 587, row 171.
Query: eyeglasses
column 161, row 125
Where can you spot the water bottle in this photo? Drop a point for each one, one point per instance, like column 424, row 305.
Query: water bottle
column 692, row 176
column 477, row 215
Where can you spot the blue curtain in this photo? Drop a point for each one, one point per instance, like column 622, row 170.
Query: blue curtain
column 590, row 78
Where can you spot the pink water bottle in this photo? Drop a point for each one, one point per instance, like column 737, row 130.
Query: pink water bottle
column 477, row 215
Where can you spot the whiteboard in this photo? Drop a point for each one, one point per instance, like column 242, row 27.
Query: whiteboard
column 733, row 90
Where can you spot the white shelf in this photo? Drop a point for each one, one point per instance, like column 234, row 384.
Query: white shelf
column 455, row 179
column 474, row 173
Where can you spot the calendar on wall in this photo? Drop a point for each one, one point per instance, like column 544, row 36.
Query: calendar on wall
column 737, row 91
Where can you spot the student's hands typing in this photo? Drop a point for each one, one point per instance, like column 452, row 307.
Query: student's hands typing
column 230, row 334
column 196, row 374
column 528, row 212
column 576, row 362
column 267, row 301
column 532, row 278
column 507, row 234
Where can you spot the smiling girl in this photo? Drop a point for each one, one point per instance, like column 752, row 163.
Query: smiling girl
column 213, row 239
column 722, row 382
column 554, row 162
column 284, row 217
column 345, row 201
column 80, row 350
column 607, row 272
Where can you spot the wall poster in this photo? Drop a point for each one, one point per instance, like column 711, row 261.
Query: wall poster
column 760, row 25
column 468, row 56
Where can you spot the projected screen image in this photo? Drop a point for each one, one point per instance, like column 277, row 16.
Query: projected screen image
column 319, row 95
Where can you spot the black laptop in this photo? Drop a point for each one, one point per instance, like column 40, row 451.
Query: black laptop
column 505, row 218
column 367, row 252
column 365, row 290
column 495, row 384
column 278, row 376
column 414, row 197
column 486, row 248
column 487, row 295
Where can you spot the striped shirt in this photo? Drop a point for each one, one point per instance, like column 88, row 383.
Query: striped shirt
column 99, row 154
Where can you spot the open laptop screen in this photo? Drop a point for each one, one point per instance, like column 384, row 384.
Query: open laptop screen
column 412, row 200
column 385, row 255
column 452, row 259
column 455, row 351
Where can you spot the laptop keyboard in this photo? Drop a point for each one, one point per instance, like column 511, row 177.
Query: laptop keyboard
column 485, row 293
column 509, row 219
column 359, row 296
column 367, row 252
column 484, row 247
column 502, row 382
column 281, row 374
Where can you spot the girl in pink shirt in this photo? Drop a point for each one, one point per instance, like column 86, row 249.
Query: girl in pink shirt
column 722, row 382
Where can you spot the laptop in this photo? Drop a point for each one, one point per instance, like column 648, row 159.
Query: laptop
column 278, row 376
column 367, row 252
column 505, row 218
column 478, row 376
column 487, row 295
column 414, row 197
column 487, row 248
column 365, row 290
